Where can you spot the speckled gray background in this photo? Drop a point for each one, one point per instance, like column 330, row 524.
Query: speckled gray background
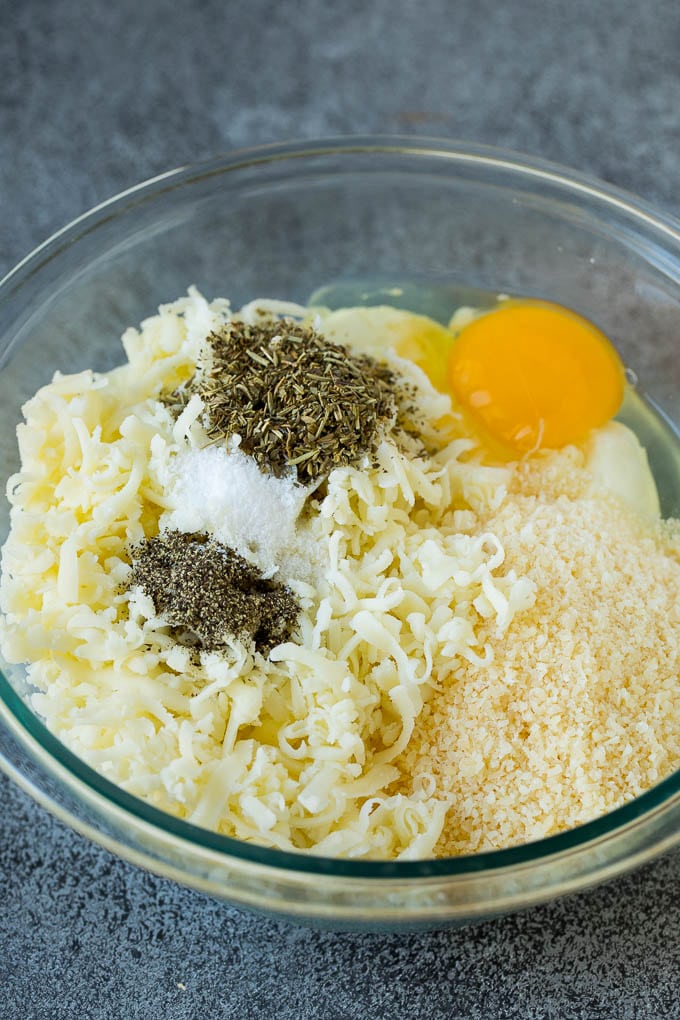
column 97, row 95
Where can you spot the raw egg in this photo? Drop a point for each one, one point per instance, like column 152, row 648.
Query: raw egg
column 534, row 375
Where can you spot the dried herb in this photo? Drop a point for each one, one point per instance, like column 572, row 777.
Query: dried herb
column 294, row 398
column 208, row 593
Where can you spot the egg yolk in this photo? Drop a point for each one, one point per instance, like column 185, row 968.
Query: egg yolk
column 534, row 375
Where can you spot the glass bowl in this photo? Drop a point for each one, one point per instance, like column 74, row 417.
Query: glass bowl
column 282, row 221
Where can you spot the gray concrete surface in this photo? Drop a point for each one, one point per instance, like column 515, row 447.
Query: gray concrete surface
column 96, row 96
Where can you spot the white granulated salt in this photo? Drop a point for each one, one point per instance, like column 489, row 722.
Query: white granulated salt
column 225, row 493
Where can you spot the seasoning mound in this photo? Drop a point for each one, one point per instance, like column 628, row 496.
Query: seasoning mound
column 295, row 399
column 210, row 595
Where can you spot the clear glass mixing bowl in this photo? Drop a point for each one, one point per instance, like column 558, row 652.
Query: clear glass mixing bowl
column 282, row 221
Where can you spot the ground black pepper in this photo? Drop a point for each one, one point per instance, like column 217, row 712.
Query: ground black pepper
column 208, row 593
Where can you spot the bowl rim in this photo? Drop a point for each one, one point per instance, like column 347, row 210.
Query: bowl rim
column 453, row 149
column 28, row 729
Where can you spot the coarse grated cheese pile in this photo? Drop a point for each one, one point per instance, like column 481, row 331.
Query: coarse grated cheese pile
column 484, row 654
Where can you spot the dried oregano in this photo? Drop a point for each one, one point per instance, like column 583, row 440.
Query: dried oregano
column 295, row 399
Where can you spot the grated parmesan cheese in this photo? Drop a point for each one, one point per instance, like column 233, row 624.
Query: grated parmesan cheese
column 484, row 654
column 576, row 710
